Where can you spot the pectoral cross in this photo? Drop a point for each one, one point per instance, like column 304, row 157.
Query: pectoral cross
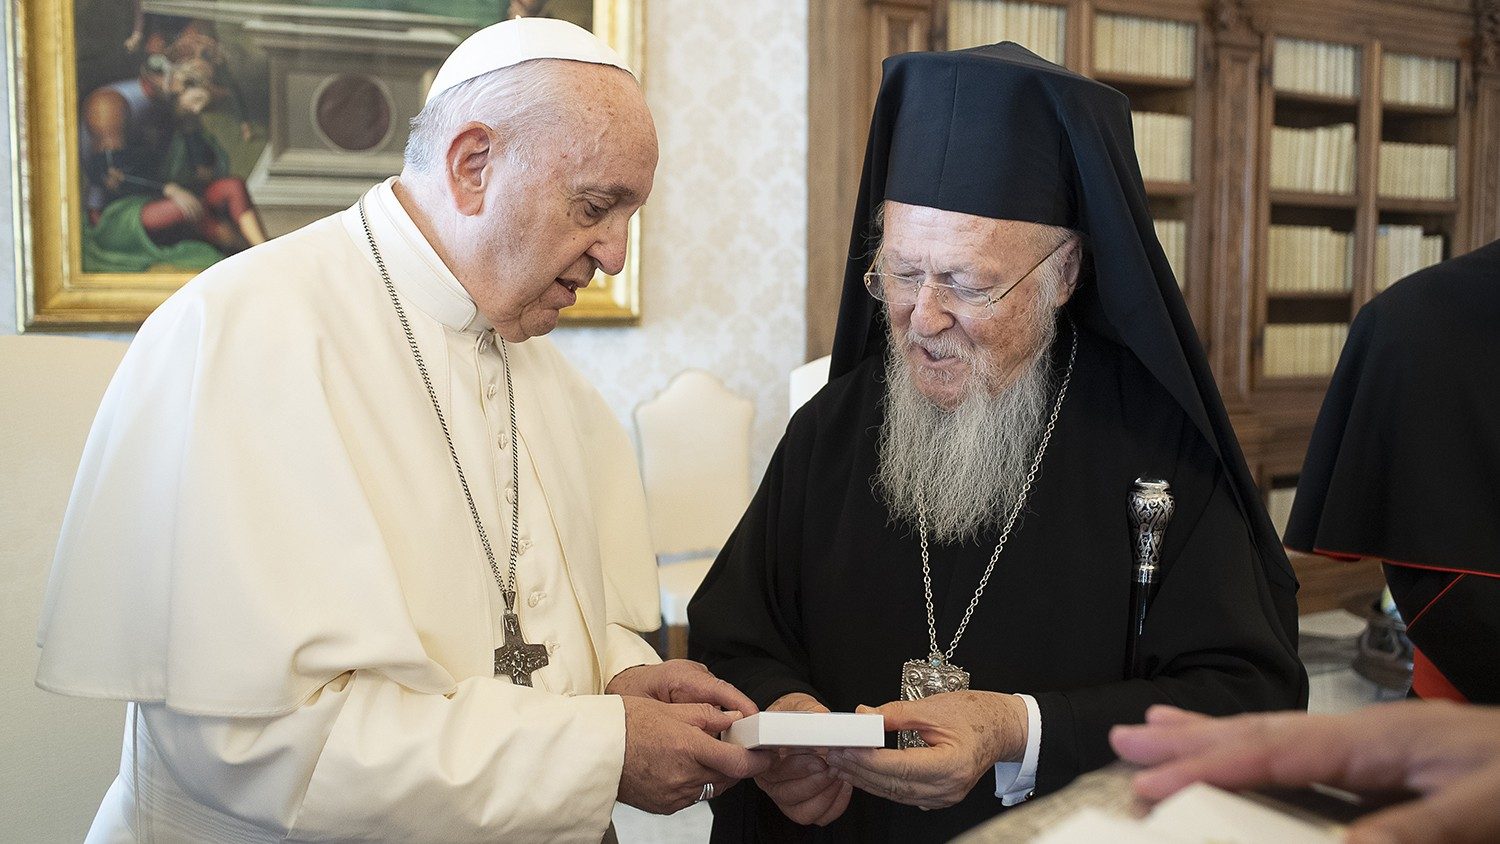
column 516, row 656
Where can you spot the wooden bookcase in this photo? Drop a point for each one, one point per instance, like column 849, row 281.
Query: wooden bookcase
column 1228, row 204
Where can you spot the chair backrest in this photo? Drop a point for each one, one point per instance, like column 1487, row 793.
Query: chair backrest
column 806, row 381
column 60, row 753
column 695, row 462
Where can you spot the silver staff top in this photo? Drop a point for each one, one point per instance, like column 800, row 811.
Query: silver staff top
column 1151, row 508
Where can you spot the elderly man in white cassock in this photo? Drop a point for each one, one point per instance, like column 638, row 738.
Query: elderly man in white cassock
column 366, row 555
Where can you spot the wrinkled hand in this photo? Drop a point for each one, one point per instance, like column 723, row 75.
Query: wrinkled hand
column 671, row 751
column 800, row 782
column 186, row 202
column 679, row 681
column 1446, row 752
column 966, row 733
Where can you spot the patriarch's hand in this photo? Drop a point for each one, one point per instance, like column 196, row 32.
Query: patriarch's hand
column 966, row 733
column 800, row 782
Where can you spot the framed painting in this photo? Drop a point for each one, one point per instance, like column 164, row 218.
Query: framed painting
column 153, row 138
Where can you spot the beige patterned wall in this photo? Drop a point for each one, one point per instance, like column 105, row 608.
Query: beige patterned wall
column 723, row 266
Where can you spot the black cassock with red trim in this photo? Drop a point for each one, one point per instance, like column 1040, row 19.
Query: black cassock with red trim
column 1404, row 466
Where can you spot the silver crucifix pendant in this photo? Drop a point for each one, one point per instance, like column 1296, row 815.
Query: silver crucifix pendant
column 516, row 657
column 924, row 677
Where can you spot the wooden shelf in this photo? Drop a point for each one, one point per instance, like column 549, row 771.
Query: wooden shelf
column 1296, row 383
column 1417, row 110
column 1310, row 295
column 1169, row 189
column 1406, row 205
column 1308, row 308
column 1333, row 584
column 1310, row 199
column 1132, row 80
column 1314, row 99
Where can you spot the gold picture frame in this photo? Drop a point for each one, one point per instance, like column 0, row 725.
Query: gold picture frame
column 55, row 205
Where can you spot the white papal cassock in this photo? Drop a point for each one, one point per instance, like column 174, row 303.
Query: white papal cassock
column 268, row 551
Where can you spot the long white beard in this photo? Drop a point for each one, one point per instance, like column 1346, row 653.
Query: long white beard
column 964, row 468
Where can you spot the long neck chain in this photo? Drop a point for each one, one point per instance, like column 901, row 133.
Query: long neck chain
column 1010, row 521
column 506, row 582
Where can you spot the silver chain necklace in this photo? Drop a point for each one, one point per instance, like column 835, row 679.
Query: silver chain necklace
column 515, row 657
column 937, row 673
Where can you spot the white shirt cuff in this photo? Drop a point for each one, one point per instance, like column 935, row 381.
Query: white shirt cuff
column 1014, row 781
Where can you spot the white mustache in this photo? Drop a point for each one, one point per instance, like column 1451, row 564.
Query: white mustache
column 943, row 345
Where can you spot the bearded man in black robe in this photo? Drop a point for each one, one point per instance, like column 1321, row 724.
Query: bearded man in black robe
column 1012, row 353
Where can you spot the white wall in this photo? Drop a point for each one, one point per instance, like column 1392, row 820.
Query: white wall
column 724, row 261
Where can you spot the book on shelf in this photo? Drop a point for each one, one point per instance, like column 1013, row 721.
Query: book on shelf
column 1300, row 349
column 1163, row 145
column 1143, row 46
column 1418, row 171
column 1315, row 67
column 1039, row 27
column 1309, row 259
column 1418, row 80
column 1172, row 234
column 1401, row 251
column 1317, row 160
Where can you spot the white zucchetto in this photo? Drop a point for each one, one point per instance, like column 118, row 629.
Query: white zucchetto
column 519, row 40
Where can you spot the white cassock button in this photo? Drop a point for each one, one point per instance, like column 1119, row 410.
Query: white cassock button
column 523, row 546
column 503, row 441
column 535, row 598
column 553, row 646
column 484, row 342
column 570, row 693
column 490, row 391
column 510, row 494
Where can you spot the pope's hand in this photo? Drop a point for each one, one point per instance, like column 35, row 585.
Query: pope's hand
column 966, row 733
column 671, row 752
column 801, row 783
column 679, row 681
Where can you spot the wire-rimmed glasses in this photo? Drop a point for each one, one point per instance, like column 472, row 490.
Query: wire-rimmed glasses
column 971, row 302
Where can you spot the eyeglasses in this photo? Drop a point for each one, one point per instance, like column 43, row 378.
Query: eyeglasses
column 970, row 302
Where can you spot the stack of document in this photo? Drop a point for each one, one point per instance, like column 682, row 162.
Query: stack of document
column 1198, row 814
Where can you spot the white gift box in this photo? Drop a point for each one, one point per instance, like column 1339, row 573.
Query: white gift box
column 808, row 729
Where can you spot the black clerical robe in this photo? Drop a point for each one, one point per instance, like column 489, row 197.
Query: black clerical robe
column 817, row 591
column 1403, row 462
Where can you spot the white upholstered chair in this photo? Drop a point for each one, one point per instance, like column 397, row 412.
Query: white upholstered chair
column 59, row 753
column 695, row 463
column 805, row 383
